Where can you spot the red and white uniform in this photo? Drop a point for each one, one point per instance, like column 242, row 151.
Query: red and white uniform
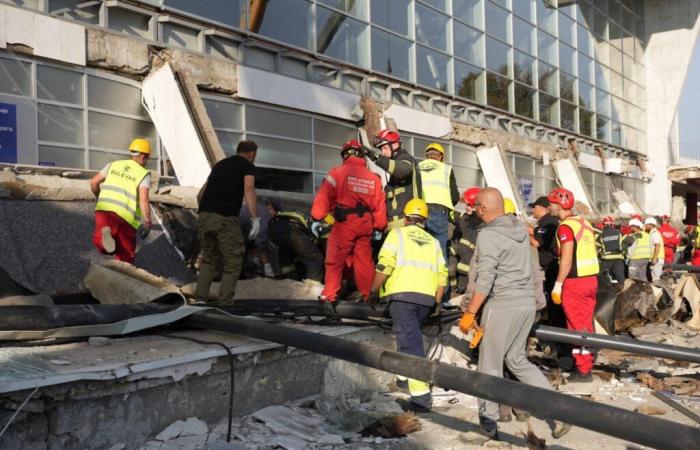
column 672, row 239
column 349, row 186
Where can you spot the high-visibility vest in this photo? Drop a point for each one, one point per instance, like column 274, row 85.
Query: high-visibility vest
column 294, row 217
column 413, row 260
column 119, row 193
column 643, row 250
column 661, row 244
column 585, row 261
column 697, row 237
column 611, row 244
column 435, row 176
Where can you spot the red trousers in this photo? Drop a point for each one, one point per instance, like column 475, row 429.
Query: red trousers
column 696, row 258
column 350, row 238
column 124, row 235
column 578, row 300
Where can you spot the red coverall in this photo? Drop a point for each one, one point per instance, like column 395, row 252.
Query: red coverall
column 672, row 239
column 348, row 186
column 578, row 299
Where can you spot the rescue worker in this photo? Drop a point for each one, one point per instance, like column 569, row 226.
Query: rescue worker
column 122, row 191
column 412, row 277
column 639, row 250
column 220, row 235
column 543, row 238
column 612, row 260
column 354, row 196
column 504, row 283
column 577, row 283
column 464, row 240
column 439, row 192
column 289, row 231
column 672, row 240
column 404, row 181
column 656, row 265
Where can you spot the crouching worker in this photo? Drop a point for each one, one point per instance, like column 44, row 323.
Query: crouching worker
column 411, row 276
column 503, row 277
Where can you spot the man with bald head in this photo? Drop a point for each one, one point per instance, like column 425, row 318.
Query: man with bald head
column 504, row 283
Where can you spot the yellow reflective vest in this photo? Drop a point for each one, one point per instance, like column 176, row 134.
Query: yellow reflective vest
column 119, row 193
column 585, row 262
column 642, row 249
column 413, row 260
column 435, row 176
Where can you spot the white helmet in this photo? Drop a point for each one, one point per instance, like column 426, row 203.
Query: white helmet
column 650, row 221
column 636, row 223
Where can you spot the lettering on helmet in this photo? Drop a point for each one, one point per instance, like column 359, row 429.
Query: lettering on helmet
column 360, row 185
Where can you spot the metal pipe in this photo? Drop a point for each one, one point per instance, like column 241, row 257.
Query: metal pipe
column 675, row 352
column 634, row 427
column 677, row 406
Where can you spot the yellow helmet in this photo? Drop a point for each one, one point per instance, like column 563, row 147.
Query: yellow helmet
column 435, row 146
column 416, row 207
column 509, row 206
column 140, row 145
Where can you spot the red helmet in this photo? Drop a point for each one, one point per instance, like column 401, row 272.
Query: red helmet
column 607, row 220
column 563, row 197
column 470, row 194
column 665, row 218
column 351, row 148
column 387, row 136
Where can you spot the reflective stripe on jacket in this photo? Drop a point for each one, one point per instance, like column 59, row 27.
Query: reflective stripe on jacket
column 585, row 262
column 413, row 260
column 435, row 176
column 610, row 244
column 119, row 193
column 642, row 248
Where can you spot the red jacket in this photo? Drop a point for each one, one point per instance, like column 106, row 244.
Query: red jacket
column 672, row 239
column 350, row 185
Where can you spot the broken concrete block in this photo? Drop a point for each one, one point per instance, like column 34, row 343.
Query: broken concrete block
column 224, row 446
column 98, row 341
column 114, row 282
column 117, row 52
column 650, row 410
column 190, row 427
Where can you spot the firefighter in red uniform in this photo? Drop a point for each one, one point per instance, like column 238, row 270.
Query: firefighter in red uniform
column 672, row 239
column 576, row 286
column 354, row 196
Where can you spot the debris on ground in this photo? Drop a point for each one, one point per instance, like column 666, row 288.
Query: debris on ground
column 533, row 442
column 190, row 427
column 650, row 410
column 393, row 426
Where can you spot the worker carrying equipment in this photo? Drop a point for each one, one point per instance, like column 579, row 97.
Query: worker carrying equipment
column 439, row 192
column 576, row 286
column 463, row 242
column 404, row 181
column 122, row 191
column 354, row 196
column 412, row 276
column 609, row 242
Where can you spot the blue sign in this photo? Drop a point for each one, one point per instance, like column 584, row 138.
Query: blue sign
column 8, row 133
column 525, row 186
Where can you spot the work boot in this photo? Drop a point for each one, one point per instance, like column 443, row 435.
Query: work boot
column 488, row 428
column 560, row 429
column 578, row 377
column 108, row 243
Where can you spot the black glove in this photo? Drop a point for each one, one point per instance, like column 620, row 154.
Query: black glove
column 144, row 232
column 437, row 310
column 371, row 152
column 373, row 298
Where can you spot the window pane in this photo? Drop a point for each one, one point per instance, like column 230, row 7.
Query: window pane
column 523, row 8
column 390, row 54
column 229, row 141
column 353, row 7
column 467, row 81
column 286, row 21
column 497, row 91
column 586, row 122
column 391, row 14
column 524, row 100
column 341, row 37
column 524, row 68
column 585, row 95
column 567, row 83
column 99, row 159
column 224, row 114
column 60, row 124
column 547, row 48
column 73, row 158
column 523, row 34
column 497, row 56
column 566, row 59
column 277, row 122
column 116, row 133
column 431, row 27
column 568, row 111
column 59, row 85
column 464, row 157
column 585, row 68
column 79, row 10
column 547, row 17
column 468, row 11
column 284, row 180
column 332, row 133
column 221, row 47
column 15, row 77
column 548, row 109
column 602, row 77
column 179, row 36
column 467, row 177
column 326, row 157
column 432, row 68
column 548, row 78
column 282, row 153
column 130, row 22
column 497, row 21
column 468, row 44
column 114, row 96
column 567, row 29
column 600, row 25
column 228, row 12
column 583, row 42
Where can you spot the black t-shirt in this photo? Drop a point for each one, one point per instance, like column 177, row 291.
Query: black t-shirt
column 224, row 192
column 546, row 235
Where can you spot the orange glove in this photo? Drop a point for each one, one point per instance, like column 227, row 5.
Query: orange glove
column 556, row 293
column 466, row 322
